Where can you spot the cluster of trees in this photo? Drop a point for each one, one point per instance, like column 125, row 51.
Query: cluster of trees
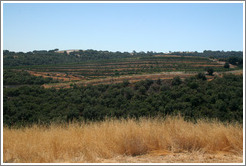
column 194, row 98
column 14, row 77
column 35, row 58
column 231, row 57
column 235, row 60
column 43, row 57
column 95, row 55
column 211, row 54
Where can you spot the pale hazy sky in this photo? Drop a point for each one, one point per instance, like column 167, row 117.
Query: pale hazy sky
column 123, row 27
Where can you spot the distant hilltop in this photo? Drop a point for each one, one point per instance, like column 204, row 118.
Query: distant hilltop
column 68, row 51
column 90, row 52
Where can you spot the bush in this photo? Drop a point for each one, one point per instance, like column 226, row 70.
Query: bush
column 227, row 65
column 209, row 70
column 201, row 76
column 176, row 81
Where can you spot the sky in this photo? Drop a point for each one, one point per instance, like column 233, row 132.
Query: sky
column 159, row 27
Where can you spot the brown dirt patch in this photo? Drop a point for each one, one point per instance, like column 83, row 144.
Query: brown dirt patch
column 167, row 55
column 236, row 72
column 56, row 76
column 206, row 65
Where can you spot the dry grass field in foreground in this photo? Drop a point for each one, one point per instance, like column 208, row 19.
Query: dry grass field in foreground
column 146, row 140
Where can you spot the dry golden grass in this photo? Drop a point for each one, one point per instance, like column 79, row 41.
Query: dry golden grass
column 111, row 139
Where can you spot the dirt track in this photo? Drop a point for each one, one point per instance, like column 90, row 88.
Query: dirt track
column 134, row 78
column 131, row 79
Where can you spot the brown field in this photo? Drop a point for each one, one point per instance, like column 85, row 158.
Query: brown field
column 172, row 140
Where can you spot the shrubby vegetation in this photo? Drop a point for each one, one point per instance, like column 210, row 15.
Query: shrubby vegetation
column 35, row 58
column 194, row 98
column 209, row 70
column 232, row 57
column 13, row 77
column 51, row 57
column 227, row 65
column 211, row 54
column 235, row 61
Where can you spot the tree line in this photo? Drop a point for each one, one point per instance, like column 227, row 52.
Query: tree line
column 43, row 57
column 211, row 54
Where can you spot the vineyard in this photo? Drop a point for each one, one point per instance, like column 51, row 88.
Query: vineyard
column 117, row 70
column 102, row 68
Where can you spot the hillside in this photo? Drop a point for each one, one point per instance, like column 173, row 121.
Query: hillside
column 111, row 107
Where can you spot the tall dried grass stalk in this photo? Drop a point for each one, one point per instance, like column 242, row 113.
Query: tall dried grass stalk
column 110, row 138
